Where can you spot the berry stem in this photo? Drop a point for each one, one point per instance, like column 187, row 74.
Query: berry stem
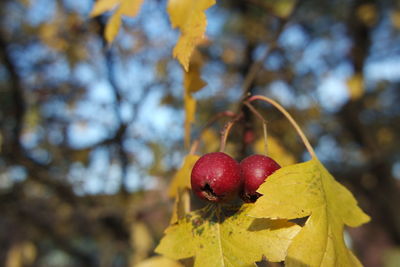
column 227, row 129
column 264, row 122
column 210, row 122
column 289, row 117
column 265, row 138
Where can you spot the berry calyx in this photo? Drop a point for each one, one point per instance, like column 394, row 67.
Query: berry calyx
column 216, row 177
column 255, row 169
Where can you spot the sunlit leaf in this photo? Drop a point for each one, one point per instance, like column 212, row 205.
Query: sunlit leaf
column 141, row 241
column 392, row 257
column 179, row 187
column 211, row 140
column 182, row 177
column 275, row 151
column 395, row 18
column 122, row 7
column 190, row 111
column 50, row 35
column 130, row 7
column 192, row 83
column 102, row 6
column 223, row 237
column 158, row 261
column 113, row 26
column 307, row 189
column 181, row 205
column 189, row 17
column 157, row 166
column 355, row 86
column 281, row 8
column 20, row 254
column 367, row 13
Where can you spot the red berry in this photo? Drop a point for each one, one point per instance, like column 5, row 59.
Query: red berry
column 255, row 169
column 216, row 177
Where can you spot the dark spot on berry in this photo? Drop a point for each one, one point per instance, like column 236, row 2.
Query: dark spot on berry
column 209, row 193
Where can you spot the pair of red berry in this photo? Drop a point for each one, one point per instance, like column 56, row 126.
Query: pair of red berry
column 217, row 177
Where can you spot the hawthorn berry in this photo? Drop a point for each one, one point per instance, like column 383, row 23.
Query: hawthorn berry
column 255, row 169
column 216, row 177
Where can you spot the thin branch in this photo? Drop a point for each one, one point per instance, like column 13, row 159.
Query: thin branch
column 123, row 155
column 227, row 129
column 18, row 106
column 254, row 69
column 257, row 65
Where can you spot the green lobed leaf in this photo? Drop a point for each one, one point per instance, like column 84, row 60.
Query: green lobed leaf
column 308, row 189
column 218, row 236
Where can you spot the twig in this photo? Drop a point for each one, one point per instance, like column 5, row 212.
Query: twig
column 257, row 65
column 18, row 107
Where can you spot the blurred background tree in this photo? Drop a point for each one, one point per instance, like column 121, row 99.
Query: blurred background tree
column 91, row 134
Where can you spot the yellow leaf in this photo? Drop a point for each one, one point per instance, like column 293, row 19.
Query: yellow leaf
column 190, row 111
column 189, row 17
column 192, row 80
column 158, row 261
column 225, row 237
column 181, row 179
column 181, row 205
column 275, row 151
column 308, row 189
column 368, row 14
column 210, row 140
column 157, row 167
column 161, row 69
column 113, row 26
column 395, row 18
column 123, row 7
column 50, row 34
column 391, row 257
column 131, row 7
column 21, row 254
column 141, row 241
column 192, row 83
column 356, row 86
column 102, row 6
column 281, row 8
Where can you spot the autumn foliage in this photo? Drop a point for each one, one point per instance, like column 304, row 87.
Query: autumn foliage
column 239, row 236
column 261, row 91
